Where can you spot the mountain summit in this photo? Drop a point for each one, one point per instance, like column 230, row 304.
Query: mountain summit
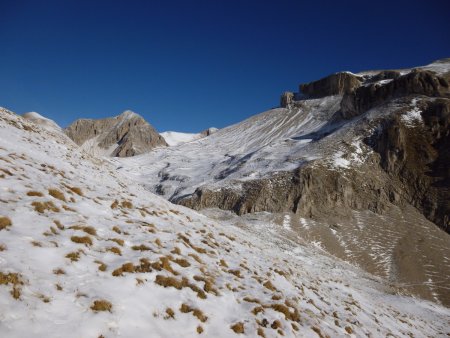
column 127, row 134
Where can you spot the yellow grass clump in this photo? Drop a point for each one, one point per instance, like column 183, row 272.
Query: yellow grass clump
column 5, row 222
column 35, row 193
column 57, row 194
column 101, row 305
column 81, row 240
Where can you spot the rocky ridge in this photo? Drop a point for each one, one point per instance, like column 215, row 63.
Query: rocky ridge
column 376, row 143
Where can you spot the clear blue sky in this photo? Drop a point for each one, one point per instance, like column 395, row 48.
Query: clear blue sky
column 187, row 65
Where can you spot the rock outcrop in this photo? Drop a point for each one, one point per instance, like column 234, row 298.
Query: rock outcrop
column 286, row 99
column 417, row 82
column 122, row 136
column 335, row 84
column 418, row 159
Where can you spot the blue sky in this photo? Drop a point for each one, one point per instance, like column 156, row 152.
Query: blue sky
column 188, row 65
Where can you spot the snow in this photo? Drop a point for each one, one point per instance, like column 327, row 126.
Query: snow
column 54, row 304
column 174, row 138
column 339, row 161
column 42, row 121
column 413, row 116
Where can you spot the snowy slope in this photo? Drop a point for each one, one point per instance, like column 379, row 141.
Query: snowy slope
column 174, row 138
column 86, row 252
column 278, row 139
column 42, row 121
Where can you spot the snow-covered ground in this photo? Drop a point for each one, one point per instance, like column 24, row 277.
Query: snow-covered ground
column 42, row 121
column 174, row 138
column 86, row 252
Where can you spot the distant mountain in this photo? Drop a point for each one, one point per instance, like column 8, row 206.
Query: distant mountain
column 125, row 135
column 174, row 138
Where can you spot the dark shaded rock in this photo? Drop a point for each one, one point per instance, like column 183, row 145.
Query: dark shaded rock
column 335, row 84
column 386, row 75
column 286, row 99
column 418, row 82
column 418, row 158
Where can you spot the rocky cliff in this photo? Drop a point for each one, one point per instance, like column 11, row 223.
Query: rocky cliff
column 122, row 136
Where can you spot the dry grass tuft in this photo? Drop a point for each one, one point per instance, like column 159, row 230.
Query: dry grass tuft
column 176, row 251
column 81, row 240
column 236, row 272
column 115, row 204
column 209, row 284
column 119, row 241
column 59, row 225
column 268, row 285
column 73, row 256
column 276, row 324
column 2, row 247
column 12, row 278
column 251, row 300
column 238, row 328
column 42, row 206
column 127, row 204
column 117, row 229
column 290, row 315
column 199, row 329
column 101, row 305
column 76, row 190
column 260, row 332
column 59, row 271
column 169, row 313
column 114, row 250
column 181, row 262
column 195, row 312
column 257, row 310
column 5, row 222
column 102, row 266
column 35, row 193
column 179, row 284
column 57, row 194
column 141, row 247
column 87, row 229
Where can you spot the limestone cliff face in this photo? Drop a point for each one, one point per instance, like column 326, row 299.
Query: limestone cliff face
column 122, row 136
column 335, row 84
column 417, row 82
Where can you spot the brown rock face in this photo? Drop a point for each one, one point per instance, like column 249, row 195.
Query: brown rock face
column 311, row 191
column 129, row 131
column 335, row 84
column 417, row 82
column 418, row 158
column 286, row 99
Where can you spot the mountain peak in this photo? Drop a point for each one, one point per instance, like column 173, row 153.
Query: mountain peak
column 127, row 134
